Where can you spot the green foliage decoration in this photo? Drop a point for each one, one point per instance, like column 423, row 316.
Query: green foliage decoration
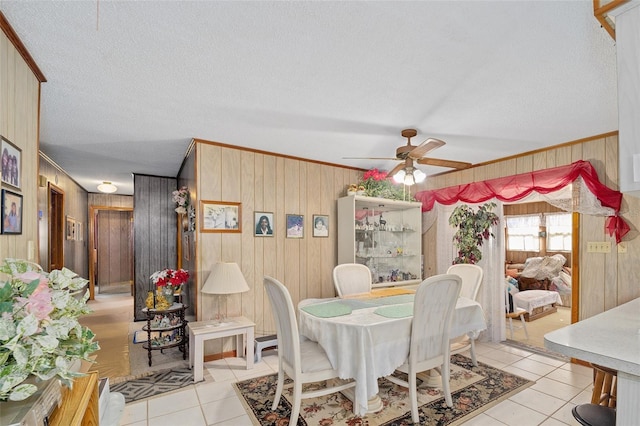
column 40, row 335
column 473, row 228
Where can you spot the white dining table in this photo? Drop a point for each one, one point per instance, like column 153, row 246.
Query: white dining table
column 610, row 339
column 365, row 342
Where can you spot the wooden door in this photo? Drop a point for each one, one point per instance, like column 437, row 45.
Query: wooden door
column 56, row 228
column 114, row 244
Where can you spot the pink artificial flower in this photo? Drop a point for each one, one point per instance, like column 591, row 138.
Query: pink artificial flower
column 39, row 302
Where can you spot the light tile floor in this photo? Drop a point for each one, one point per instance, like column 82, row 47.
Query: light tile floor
column 559, row 387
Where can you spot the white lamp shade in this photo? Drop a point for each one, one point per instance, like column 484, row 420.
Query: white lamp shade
column 399, row 176
column 419, row 176
column 225, row 278
column 408, row 179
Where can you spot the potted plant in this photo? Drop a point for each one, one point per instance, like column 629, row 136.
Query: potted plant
column 40, row 335
column 473, row 228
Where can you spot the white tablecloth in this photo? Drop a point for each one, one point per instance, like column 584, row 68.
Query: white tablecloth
column 531, row 299
column 365, row 346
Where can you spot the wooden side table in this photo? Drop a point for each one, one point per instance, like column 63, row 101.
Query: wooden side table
column 199, row 331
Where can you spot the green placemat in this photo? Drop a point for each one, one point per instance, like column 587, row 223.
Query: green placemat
column 393, row 300
column 395, row 311
column 328, row 310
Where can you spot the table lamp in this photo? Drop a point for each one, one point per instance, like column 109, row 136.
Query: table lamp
column 225, row 278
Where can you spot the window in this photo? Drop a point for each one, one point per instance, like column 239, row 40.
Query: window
column 523, row 233
column 558, row 231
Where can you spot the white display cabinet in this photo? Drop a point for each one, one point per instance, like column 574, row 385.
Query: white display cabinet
column 385, row 235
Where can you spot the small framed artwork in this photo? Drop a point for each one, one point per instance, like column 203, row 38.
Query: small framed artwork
column 220, row 216
column 11, row 163
column 295, row 226
column 71, row 228
column 320, row 225
column 79, row 233
column 11, row 212
column 264, row 224
column 186, row 247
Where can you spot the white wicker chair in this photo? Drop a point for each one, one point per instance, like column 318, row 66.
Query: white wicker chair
column 303, row 361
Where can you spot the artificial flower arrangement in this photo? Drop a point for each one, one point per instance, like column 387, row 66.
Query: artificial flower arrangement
column 181, row 198
column 39, row 330
column 174, row 278
column 376, row 183
column 168, row 282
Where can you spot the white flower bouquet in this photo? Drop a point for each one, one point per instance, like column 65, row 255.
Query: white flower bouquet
column 181, row 198
column 39, row 330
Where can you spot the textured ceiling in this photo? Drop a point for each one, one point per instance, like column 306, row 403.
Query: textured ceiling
column 130, row 83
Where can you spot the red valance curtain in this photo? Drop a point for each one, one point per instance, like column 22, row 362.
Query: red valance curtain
column 517, row 187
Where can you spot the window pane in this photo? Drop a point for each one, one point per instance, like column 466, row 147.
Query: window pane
column 523, row 232
column 558, row 231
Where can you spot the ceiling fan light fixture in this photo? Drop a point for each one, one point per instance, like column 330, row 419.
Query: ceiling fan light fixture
column 419, row 176
column 408, row 179
column 399, row 176
column 107, row 187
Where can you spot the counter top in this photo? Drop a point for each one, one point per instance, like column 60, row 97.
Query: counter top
column 611, row 339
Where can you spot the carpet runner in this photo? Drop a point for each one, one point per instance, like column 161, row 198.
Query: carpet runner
column 154, row 384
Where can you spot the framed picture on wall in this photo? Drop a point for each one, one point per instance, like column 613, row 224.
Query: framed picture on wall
column 11, row 163
column 320, row 225
column 295, row 226
column 11, row 212
column 186, row 247
column 79, row 232
column 220, row 216
column 263, row 222
column 71, row 228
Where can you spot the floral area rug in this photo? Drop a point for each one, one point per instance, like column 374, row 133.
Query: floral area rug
column 474, row 389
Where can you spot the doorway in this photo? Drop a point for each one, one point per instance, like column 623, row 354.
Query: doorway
column 56, row 227
column 565, row 238
column 111, row 245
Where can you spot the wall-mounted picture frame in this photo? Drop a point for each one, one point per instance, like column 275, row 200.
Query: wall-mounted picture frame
column 79, row 233
column 71, row 228
column 320, row 225
column 220, row 216
column 295, row 226
column 186, row 247
column 264, row 225
column 11, row 212
column 11, row 163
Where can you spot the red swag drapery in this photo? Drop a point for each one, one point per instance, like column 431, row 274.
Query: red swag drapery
column 517, row 187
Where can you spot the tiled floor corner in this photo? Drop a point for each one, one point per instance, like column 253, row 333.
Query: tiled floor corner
column 559, row 387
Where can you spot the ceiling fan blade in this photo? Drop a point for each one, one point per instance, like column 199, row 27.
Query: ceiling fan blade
column 426, row 146
column 396, row 169
column 369, row 158
column 444, row 163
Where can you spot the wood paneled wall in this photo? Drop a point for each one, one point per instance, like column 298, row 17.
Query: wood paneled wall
column 606, row 280
column 76, row 252
column 19, row 123
column 263, row 182
column 155, row 233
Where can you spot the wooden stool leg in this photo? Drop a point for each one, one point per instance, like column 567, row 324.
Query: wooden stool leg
column 607, row 385
column 597, row 386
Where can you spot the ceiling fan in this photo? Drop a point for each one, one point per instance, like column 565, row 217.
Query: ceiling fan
column 405, row 172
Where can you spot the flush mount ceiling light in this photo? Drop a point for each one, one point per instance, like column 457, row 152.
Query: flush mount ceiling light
column 107, row 187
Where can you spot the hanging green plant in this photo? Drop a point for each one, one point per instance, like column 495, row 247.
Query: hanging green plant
column 473, row 228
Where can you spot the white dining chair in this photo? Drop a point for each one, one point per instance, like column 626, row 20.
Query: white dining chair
column 471, row 276
column 351, row 278
column 433, row 307
column 516, row 313
column 303, row 361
